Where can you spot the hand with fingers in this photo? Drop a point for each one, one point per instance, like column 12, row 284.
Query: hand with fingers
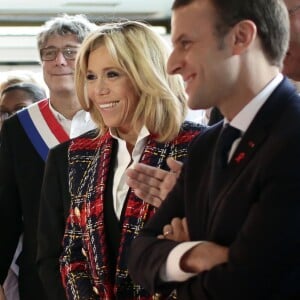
column 177, row 231
column 202, row 257
column 153, row 184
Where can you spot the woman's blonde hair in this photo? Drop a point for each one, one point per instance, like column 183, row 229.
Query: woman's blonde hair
column 142, row 54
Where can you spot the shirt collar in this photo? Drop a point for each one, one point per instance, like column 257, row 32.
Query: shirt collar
column 57, row 114
column 244, row 118
column 143, row 133
column 81, row 114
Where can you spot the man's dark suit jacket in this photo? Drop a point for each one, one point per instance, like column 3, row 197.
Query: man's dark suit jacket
column 21, row 174
column 256, row 213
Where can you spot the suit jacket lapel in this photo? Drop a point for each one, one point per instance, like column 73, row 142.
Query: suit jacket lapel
column 253, row 139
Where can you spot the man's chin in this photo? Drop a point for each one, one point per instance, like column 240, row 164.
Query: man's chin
column 194, row 105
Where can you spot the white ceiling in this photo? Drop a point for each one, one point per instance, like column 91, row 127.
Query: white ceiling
column 39, row 10
column 18, row 44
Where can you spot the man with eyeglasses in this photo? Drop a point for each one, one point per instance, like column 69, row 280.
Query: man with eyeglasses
column 26, row 139
column 292, row 60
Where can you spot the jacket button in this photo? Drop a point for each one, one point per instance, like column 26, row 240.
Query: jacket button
column 77, row 212
column 95, row 290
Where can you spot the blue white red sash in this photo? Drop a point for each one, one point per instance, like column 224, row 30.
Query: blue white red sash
column 41, row 127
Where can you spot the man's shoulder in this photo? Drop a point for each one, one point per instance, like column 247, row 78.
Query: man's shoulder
column 14, row 122
column 12, row 126
column 189, row 130
column 203, row 144
column 193, row 126
column 90, row 135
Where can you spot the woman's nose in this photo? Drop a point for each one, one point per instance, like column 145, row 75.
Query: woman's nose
column 102, row 88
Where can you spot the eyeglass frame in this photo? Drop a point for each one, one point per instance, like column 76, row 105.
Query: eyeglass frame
column 57, row 50
column 293, row 10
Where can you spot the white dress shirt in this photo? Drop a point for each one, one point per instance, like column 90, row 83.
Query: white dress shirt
column 123, row 162
column 80, row 123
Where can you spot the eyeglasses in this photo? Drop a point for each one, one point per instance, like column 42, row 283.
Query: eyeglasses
column 51, row 53
column 293, row 10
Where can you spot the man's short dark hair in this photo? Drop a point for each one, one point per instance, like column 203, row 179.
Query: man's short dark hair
column 270, row 17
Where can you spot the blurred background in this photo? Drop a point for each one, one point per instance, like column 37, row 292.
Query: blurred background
column 20, row 21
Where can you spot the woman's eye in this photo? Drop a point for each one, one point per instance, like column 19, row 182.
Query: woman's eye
column 90, row 77
column 112, row 74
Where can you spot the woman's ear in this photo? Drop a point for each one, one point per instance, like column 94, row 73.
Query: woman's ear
column 243, row 35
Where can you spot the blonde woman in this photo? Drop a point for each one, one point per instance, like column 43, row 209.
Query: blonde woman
column 121, row 79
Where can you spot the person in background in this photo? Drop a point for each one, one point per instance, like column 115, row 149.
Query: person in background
column 18, row 96
column 291, row 65
column 13, row 98
column 26, row 139
column 121, row 79
column 17, row 76
column 230, row 227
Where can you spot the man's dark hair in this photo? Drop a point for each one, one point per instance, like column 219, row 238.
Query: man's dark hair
column 270, row 17
column 65, row 24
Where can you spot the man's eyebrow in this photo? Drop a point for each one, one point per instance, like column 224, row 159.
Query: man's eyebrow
column 71, row 46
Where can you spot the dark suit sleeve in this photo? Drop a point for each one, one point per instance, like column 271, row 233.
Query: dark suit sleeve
column 258, row 219
column 54, row 207
column 11, row 215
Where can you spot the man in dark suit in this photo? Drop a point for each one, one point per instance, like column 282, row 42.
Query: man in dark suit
column 25, row 141
column 235, row 236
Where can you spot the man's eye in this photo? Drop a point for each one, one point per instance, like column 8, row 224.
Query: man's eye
column 71, row 51
column 185, row 44
column 49, row 52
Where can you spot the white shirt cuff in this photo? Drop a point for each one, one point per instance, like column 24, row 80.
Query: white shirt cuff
column 171, row 271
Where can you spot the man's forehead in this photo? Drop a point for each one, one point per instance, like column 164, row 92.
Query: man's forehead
column 66, row 39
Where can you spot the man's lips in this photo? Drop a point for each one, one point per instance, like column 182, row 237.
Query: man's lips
column 188, row 78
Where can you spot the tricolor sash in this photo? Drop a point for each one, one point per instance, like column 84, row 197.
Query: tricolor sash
column 41, row 127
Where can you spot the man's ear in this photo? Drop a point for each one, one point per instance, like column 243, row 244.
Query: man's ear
column 243, row 35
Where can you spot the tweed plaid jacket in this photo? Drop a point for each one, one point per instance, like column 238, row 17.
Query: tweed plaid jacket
column 84, row 261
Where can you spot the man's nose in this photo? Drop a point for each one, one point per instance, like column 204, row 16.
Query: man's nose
column 173, row 64
column 60, row 59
